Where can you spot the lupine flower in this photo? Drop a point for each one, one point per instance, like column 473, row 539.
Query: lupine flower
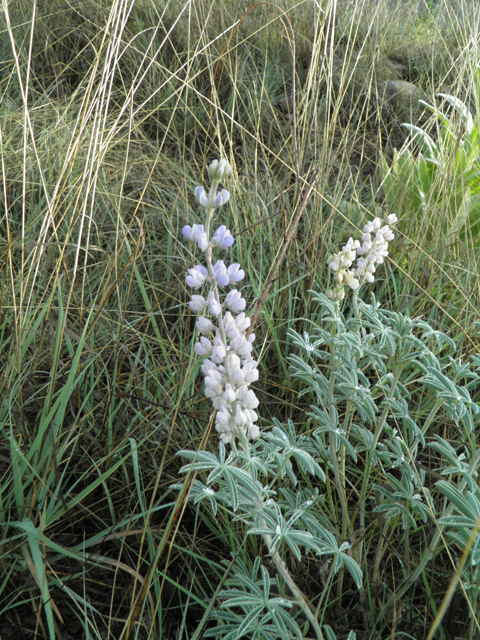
column 205, row 326
column 196, row 276
column 337, row 295
column 248, row 397
column 348, row 278
column 212, row 390
column 219, row 350
column 188, row 232
column 220, row 274
column 372, row 251
column 198, row 304
column 250, row 372
column 203, row 347
column 228, row 367
column 235, row 274
column 215, row 307
column 201, row 196
column 196, row 234
column 234, row 301
column 222, row 238
column 242, row 322
column 345, row 258
column 221, row 198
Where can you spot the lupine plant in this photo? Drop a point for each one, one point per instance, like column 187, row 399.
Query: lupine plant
column 356, row 466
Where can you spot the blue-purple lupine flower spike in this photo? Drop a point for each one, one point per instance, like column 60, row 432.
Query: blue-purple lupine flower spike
column 229, row 368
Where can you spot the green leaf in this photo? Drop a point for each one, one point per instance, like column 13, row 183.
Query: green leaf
column 461, row 108
column 458, row 499
column 353, row 569
column 429, row 148
column 476, row 551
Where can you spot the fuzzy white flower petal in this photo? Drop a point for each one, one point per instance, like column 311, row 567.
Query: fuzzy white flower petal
column 205, row 326
column 200, row 196
column 203, row 347
column 222, row 238
column 198, row 304
column 221, row 198
column 235, row 274
column 215, row 308
column 234, row 301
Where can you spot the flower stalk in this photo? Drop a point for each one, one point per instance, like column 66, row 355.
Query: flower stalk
column 370, row 252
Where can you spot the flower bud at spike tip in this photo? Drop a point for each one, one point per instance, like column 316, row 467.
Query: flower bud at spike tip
column 219, row 170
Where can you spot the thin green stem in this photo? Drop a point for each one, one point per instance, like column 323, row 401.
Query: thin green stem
column 339, row 478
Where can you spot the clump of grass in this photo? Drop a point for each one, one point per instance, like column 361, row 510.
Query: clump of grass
column 109, row 113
